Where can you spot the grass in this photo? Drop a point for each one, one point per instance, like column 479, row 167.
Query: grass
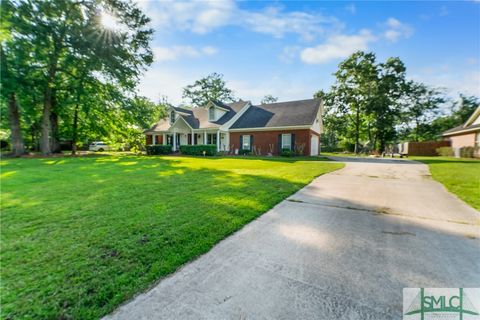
column 81, row 235
column 459, row 176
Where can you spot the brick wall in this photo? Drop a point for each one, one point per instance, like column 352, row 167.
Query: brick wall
column 263, row 139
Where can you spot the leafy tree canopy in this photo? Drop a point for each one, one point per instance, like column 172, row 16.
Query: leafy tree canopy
column 269, row 99
column 210, row 88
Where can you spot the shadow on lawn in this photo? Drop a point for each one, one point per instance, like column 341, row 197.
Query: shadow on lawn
column 103, row 229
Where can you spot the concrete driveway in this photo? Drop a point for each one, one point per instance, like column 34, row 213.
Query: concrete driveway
column 343, row 247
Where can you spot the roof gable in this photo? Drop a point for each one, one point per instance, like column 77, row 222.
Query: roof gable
column 471, row 125
column 474, row 118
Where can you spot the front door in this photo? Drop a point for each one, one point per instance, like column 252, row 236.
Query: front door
column 178, row 141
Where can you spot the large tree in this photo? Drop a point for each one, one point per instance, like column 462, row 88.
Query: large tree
column 386, row 106
column 422, row 105
column 210, row 88
column 353, row 93
column 70, row 44
column 365, row 102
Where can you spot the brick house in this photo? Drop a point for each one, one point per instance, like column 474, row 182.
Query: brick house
column 262, row 129
column 465, row 135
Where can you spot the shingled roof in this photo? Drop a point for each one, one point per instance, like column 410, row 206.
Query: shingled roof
column 197, row 118
column 282, row 114
column 461, row 128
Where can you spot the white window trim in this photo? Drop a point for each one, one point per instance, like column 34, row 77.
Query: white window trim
column 214, row 114
column 289, row 146
column 248, row 142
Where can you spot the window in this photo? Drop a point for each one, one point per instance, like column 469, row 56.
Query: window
column 211, row 114
column 246, row 142
column 172, row 117
column 287, row 141
column 212, row 138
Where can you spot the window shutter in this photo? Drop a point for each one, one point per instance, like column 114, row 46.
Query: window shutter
column 241, row 143
column 251, row 142
column 293, row 142
column 279, row 144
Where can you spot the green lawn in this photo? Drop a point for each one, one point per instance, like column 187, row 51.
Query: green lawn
column 459, row 176
column 79, row 236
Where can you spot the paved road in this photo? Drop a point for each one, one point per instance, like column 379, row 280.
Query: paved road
column 341, row 248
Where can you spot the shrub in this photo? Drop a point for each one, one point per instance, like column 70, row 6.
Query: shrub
column 244, row 152
column 468, row 152
column 287, row 153
column 445, row 151
column 158, row 149
column 197, row 150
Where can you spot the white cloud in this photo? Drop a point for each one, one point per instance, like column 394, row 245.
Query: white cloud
column 209, row 50
column 289, row 53
column 393, row 23
column 443, row 11
column 351, row 8
column 196, row 16
column 452, row 79
column 204, row 16
column 274, row 22
column 338, row 46
column 176, row 52
column 396, row 30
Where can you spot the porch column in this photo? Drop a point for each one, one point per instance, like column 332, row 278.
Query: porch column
column 193, row 138
column 164, row 139
column 154, row 139
column 205, row 137
column 174, row 141
column 218, row 140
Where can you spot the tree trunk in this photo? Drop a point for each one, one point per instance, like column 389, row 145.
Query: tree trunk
column 18, row 147
column 47, row 103
column 55, row 135
column 45, row 133
column 75, row 130
column 357, row 131
column 54, row 141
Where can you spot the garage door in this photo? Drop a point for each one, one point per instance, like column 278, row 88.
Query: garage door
column 314, row 145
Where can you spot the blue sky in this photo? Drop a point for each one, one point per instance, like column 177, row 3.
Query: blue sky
column 290, row 49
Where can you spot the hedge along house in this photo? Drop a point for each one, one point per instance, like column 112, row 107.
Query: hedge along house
column 240, row 126
column 465, row 135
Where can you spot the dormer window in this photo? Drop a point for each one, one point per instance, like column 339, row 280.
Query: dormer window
column 211, row 114
column 172, row 117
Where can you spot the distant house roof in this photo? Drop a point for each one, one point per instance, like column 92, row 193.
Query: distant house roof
column 282, row 114
column 468, row 126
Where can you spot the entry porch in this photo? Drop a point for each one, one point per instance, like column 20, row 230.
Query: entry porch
column 193, row 137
